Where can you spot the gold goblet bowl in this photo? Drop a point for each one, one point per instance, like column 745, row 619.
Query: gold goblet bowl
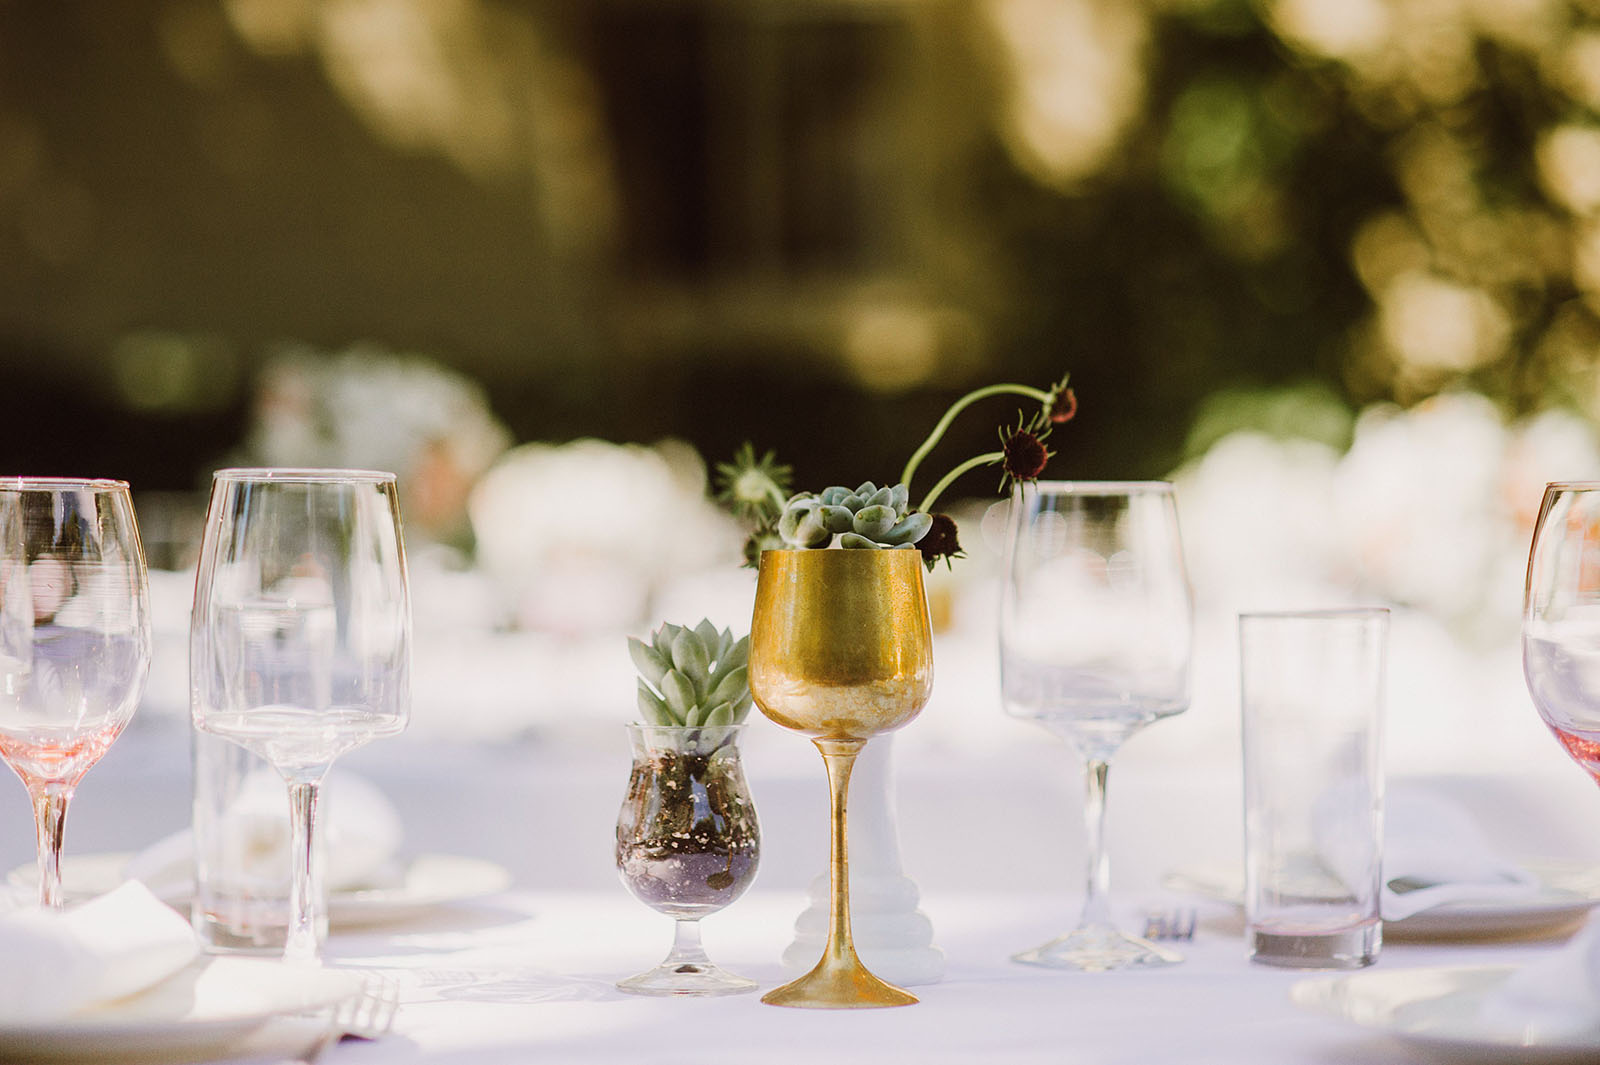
column 840, row 650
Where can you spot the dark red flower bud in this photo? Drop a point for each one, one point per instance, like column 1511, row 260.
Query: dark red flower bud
column 1066, row 406
column 940, row 541
column 1025, row 456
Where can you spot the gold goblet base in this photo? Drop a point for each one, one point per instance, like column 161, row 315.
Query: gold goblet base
column 838, row 984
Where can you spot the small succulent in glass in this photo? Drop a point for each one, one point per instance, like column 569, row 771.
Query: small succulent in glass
column 692, row 676
column 687, row 836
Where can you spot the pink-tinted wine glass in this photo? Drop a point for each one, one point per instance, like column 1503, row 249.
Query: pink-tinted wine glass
column 1561, row 618
column 74, row 640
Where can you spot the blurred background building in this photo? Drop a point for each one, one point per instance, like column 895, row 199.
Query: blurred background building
column 1334, row 265
column 808, row 223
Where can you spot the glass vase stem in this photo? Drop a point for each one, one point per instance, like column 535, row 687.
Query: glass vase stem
column 50, row 817
column 840, row 756
column 687, row 955
column 301, row 945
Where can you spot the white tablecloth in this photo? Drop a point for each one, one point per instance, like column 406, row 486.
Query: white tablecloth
column 529, row 978
column 993, row 836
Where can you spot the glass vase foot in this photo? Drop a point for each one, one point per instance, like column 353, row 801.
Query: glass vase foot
column 687, row 978
column 1095, row 950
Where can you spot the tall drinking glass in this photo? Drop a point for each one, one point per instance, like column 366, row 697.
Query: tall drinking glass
column 1095, row 637
column 74, row 640
column 300, row 638
column 1561, row 619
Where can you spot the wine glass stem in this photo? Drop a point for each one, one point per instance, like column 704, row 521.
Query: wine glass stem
column 301, row 946
column 840, row 757
column 1097, row 889
column 50, row 817
column 686, row 948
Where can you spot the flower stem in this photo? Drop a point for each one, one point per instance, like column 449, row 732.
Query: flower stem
column 986, row 459
column 1039, row 394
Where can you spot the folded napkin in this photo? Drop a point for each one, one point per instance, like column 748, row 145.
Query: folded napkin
column 1555, row 996
column 1433, row 852
column 360, row 827
column 61, row 963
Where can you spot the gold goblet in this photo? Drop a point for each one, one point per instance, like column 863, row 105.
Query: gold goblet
column 840, row 650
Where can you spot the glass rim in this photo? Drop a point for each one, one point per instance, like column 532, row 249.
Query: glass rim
column 643, row 727
column 302, row 475
column 53, row 484
column 1332, row 613
column 1572, row 486
column 1096, row 488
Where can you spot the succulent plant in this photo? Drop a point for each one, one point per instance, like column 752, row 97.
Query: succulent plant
column 868, row 517
column 696, row 677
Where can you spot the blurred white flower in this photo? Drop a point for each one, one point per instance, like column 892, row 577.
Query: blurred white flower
column 580, row 535
column 372, row 409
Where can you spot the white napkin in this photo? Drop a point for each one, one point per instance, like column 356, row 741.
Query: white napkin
column 1433, row 852
column 1433, row 842
column 360, row 827
column 1555, row 996
column 59, row 964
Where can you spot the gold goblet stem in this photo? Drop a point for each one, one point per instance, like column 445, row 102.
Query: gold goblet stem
column 839, row 980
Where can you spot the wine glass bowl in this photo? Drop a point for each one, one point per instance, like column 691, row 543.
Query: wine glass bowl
column 1096, row 634
column 840, row 650
column 300, row 635
column 1561, row 619
column 687, row 845
column 75, row 640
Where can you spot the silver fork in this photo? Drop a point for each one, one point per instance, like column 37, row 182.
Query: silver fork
column 370, row 1015
column 367, row 1014
column 1177, row 923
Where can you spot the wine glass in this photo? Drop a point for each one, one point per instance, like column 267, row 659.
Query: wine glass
column 1095, row 641
column 687, row 845
column 1561, row 619
column 299, row 644
column 74, row 640
column 840, row 650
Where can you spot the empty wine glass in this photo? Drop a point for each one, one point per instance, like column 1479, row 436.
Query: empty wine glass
column 1561, row 619
column 300, row 637
column 74, row 640
column 687, row 845
column 1095, row 639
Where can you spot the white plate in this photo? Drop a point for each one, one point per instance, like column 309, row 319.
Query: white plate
column 1440, row 1011
column 1565, row 896
column 205, row 1007
column 429, row 880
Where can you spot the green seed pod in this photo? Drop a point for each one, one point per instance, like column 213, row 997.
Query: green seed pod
column 652, row 709
column 837, row 519
column 872, row 522
column 689, row 658
column 652, row 665
column 679, row 694
column 909, row 530
column 728, row 689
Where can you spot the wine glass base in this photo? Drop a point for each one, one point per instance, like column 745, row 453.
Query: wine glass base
column 838, row 986
column 687, row 978
column 1095, row 950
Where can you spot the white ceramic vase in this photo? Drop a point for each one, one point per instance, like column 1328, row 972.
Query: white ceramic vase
column 893, row 937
